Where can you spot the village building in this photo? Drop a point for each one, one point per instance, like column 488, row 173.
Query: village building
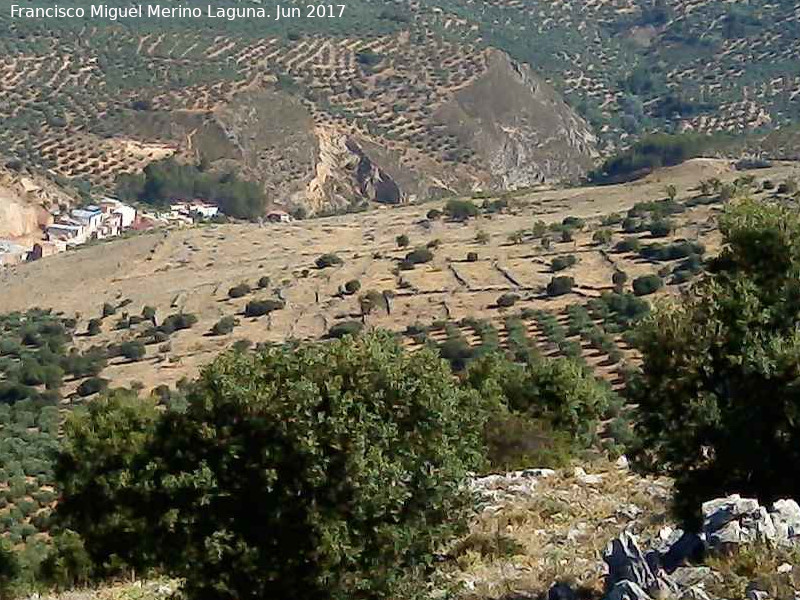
column 69, row 232
column 90, row 217
column 126, row 213
column 278, row 216
column 11, row 253
column 193, row 208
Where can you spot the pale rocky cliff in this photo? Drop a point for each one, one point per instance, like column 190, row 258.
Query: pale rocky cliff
column 24, row 202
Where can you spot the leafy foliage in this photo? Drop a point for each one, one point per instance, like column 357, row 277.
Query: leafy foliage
column 722, row 363
column 328, row 471
column 167, row 180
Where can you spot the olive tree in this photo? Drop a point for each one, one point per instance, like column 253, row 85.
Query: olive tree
column 718, row 398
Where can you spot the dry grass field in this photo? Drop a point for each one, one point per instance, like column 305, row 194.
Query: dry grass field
column 191, row 270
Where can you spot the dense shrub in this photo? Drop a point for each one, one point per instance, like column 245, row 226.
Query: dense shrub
column 239, row 291
column 602, row 236
column 647, row 284
column 402, row 241
column 559, row 286
column 722, row 363
column 132, row 350
column 352, row 478
column 559, row 263
column 650, row 153
column 631, row 244
column 259, row 308
column 352, row 287
column 167, row 180
column 558, row 391
column 660, row 228
column 177, row 322
column 224, row 326
column 460, row 210
column 674, row 251
column 94, row 327
column 472, row 257
column 263, row 282
column 93, row 385
column 339, row 330
column 507, row 300
column 419, row 256
column 328, row 260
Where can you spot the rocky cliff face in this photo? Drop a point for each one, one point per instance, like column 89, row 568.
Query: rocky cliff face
column 24, row 200
column 503, row 129
column 522, row 130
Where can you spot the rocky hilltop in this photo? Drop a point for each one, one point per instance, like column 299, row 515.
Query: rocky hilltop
column 507, row 129
column 24, row 200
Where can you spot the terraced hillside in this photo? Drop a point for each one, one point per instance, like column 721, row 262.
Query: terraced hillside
column 560, row 273
column 394, row 99
column 404, row 268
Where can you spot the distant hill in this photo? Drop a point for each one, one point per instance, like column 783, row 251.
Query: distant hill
column 393, row 100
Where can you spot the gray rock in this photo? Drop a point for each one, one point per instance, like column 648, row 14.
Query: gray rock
column 626, row 562
column 736, row 520
column 785, row 516
column 695, row 592
column 753, row 593
column 626, row 590
column 687, row 577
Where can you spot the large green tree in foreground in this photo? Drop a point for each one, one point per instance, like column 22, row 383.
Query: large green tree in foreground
column 720, row 397
column 332, row 471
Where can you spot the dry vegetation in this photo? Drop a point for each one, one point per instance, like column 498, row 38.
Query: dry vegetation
column 193, row 270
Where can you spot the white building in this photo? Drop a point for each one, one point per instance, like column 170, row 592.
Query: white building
column 90, row 217
column 70, row 234
column 126, row 212
column 195, row 207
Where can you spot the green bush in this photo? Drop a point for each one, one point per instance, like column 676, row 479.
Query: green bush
column 602, row 236
column 419, row 256
column 166, row 180
column 224, row 326
column 461, row 210
column 507, row 300
column 402, row 241
column 559, row 286
column 94, row 327
column 133, row 350
column 472, row 257
column 340, row 330
column 239, row 291
column 515, row 442
column 263, row 282
column 559, row 263
column 90, row 386
column 67, row 564
column 177, row 322
column 718, row 392
column 328, row 260
column 647, row 284
column 352, row 287
column 259, row 308
column 558, row 391
column 661, row 228
column 356, row 456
